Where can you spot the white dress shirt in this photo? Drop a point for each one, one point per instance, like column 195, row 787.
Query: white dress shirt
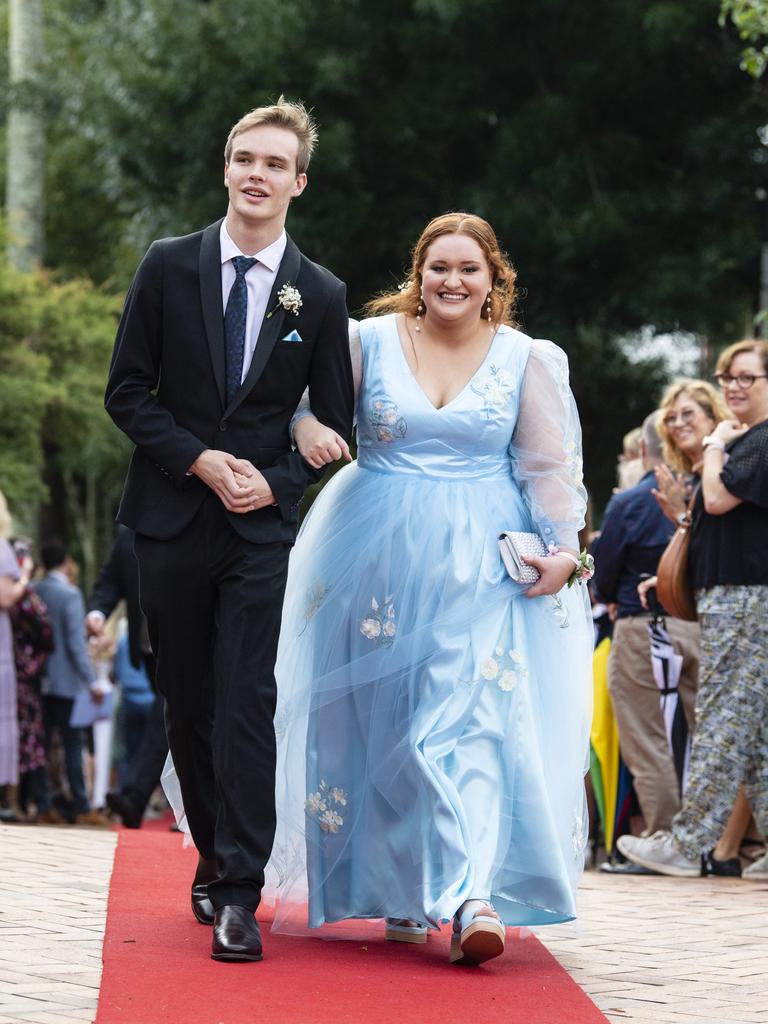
column 259, row 280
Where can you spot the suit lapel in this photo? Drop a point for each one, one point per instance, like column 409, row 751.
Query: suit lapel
column 210, row 294
column 287, row 273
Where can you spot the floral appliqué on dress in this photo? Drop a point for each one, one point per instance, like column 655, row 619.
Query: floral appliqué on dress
column 380, row 626
column 316, row 596
column 323, row 807
column 496, row 389
column 579, row 839
column 562, row 382
column 286, row 860
column 573, row 461
column 507, row 667
column 560, row 612
column 384, row 416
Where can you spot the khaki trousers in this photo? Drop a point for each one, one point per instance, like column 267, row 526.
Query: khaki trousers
column 636, row 704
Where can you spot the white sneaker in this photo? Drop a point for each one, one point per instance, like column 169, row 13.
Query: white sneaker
column 659, row 852
column 757, row 870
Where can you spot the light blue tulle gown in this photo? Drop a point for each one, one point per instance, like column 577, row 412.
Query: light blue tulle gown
column 432, row 721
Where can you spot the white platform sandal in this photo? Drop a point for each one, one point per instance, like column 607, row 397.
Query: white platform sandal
column 478, row 934
column 401, row 929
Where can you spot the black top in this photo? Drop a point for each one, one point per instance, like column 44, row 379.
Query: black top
column 634, row 534
column 733, row 548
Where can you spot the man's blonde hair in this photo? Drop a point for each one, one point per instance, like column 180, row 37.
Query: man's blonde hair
column 292, row 116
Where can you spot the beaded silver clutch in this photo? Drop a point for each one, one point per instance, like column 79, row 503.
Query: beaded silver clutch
column 514, row 544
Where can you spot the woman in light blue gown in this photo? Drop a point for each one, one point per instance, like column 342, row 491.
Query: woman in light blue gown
column 433, row 715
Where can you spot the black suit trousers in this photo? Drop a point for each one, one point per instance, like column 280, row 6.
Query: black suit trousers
column 144, row 775
column 213, row 603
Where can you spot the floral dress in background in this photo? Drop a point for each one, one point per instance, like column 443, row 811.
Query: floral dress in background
column 9, row 725
column 33, row 642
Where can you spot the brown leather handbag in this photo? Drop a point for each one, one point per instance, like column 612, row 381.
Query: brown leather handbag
column 673, row 586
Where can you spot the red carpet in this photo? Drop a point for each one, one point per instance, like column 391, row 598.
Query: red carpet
column 157, row 968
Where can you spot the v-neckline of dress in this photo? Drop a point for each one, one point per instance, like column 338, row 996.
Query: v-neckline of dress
column 420, row 389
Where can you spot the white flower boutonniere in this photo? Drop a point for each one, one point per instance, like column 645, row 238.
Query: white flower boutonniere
column 289, row 298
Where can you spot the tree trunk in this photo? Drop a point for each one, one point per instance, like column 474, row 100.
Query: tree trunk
column 25, row 136
column 81, row 513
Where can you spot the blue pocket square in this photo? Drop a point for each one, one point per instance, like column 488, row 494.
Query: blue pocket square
column 293, row 336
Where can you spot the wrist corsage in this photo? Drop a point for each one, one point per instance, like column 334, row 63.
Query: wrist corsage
column 585, row 565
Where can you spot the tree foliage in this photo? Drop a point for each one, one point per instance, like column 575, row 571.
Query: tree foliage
column 26, row 389
column 750, row 18
column 55, row 344
column 612, row 144
column 25, row 135
column 615, row 154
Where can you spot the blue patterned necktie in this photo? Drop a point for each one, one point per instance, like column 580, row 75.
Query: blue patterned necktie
column 234, row 324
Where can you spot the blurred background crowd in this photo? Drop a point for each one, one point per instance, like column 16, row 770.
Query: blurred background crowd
column 621, row 152
column 681, row 723
column 82, row 735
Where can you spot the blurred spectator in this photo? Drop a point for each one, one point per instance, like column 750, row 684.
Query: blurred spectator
column 102, row 651
column 67, row 671
column 634, row 535
column 13, row 584
column 136, row 700
column 630, row 465
column 71, row 570
column 33, row 642
column 691, row 409
column 729, row 565
column 119, row 580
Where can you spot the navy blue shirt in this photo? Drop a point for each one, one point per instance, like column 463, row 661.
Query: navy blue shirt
column 634, row 534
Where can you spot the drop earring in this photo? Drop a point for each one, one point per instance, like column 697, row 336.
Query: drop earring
column 488, row 310
column 418, row 313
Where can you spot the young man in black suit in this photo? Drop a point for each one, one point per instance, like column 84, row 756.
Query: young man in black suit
column 221, row 333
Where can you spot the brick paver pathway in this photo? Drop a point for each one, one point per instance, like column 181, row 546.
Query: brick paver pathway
column 671, row 950
column 53, row 908
column 646, row 949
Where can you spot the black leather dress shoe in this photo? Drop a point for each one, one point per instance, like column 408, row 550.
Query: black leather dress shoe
column 125, row 809
column 236, row 935
column 206, row 873
column 202, row 907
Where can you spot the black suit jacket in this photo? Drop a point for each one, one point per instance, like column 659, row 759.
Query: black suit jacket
column 166, row 385
column 119, row 580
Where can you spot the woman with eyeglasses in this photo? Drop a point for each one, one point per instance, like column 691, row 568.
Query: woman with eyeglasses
column 690, row 410
column 729, row 566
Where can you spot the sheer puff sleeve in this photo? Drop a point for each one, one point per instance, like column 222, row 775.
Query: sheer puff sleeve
column 546, row 448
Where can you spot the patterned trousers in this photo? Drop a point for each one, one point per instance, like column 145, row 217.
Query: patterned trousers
column 730, row 742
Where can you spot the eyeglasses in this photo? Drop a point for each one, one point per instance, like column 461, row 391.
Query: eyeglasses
column 744, row 380
column 685, row 417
